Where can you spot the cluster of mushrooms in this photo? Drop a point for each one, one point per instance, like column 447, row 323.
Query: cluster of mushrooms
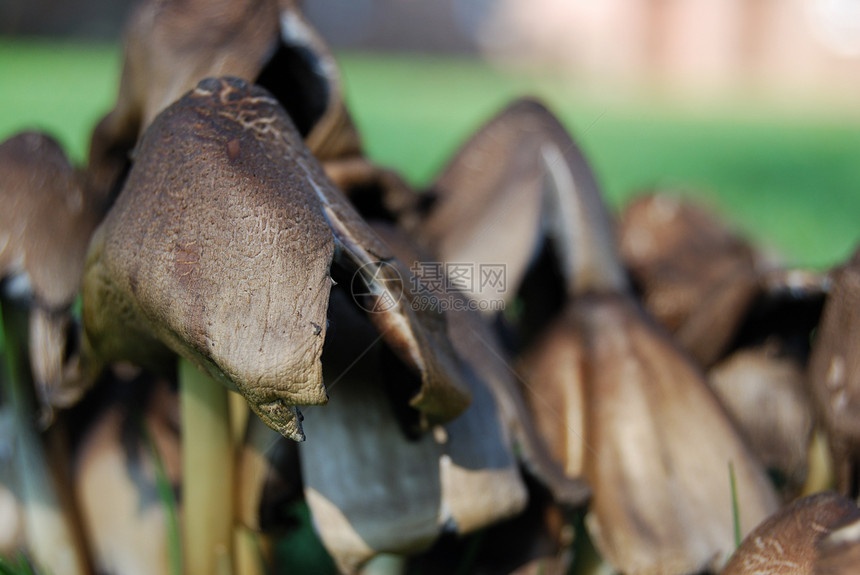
column 654, row 391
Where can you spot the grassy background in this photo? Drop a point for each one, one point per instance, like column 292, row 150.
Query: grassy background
column 787, row 176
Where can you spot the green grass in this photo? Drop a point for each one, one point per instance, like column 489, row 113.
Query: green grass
column 787, row 176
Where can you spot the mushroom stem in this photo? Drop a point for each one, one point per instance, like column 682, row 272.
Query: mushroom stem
column 820, row 475
column 250, row 558
column 207, row 473
column 385, row 564
column 51, row 533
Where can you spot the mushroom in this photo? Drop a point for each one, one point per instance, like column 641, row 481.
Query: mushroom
column 45, row 230
column 787, row 542
column 833, row 374
column 44, row 227
column 221, row 249
column 745, row 319
column 765, row 392
column 171, row 45
column 630, row 410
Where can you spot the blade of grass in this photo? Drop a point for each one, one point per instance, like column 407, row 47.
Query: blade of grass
column 168, row 500
column 736, row 515
column 21, row 567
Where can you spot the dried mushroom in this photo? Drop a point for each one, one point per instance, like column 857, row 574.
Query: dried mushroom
column 630, row 411
column 391, row 491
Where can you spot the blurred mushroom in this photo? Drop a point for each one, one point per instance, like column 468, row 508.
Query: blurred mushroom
column 626, row 405
column 765, row 393
column 171, row 45
column 680, row 257
column 704, row 282
column 786, row 543
column 834, row 374
column 745, row 319
column 45, row 228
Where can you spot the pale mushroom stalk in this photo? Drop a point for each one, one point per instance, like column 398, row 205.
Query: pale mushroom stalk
column 52, row 534
column 207, row 473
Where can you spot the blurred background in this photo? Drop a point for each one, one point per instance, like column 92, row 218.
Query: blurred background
column 749, row 105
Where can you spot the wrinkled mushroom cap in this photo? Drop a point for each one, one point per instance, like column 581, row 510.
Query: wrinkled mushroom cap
column 220, row 247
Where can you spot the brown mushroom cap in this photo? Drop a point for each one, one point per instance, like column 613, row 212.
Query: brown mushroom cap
column 45, row 228
column 388, row 492
column 486, row 209
column 785, row 543
column 220, row 247
column 658, row 449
